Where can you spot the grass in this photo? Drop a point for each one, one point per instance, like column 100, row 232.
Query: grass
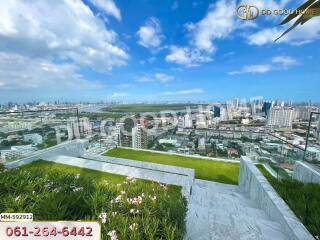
column 56, row 167
column 280, row 171
column 136, row 108
column 303, row 199
column 204, row 169
column 133, row 209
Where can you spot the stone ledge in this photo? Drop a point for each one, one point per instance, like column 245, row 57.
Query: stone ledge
column 74, row 148
column 254, row 184
column 305, row 173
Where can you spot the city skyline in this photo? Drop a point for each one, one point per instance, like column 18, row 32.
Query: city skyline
column 107, row 50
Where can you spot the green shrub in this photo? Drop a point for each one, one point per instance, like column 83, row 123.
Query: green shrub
column 303, row 199
column 133, row 209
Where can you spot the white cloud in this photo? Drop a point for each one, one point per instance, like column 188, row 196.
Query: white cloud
column 19, row 72
column 277, row 63
column 183, row 92
column 164, row 78
column 109, row 7
column 124, row 85
column 175, row 5
column 187, row 57
column 150, row 35
column 302, row 34
column 64, row 30
column 284, row 61
column 119, row 95
column 217, row 24
column 263, row 68
column 270, row 4
column 157, row 77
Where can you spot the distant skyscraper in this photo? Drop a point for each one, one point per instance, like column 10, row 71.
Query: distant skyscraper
column 304, row 112
column 223, row 114
column 266, row 107
column 280, row 117
column 73, row 128
column 187, row 121
column 85, row 126
column 201, row 120
column 139, row 137
column 318, row 129
column 119, row 129
column 216, row 111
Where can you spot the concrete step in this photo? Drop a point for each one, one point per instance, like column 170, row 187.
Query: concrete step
column 219, row 211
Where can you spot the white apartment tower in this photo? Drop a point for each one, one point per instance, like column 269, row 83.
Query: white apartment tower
column 187, row 121
column 139, row 137
column 118, row 129
column 280, row 117
column 73, row 128
column 85, row 126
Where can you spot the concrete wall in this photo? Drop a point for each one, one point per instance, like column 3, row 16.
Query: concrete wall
column 74, row 148
column 303, row 172
column 159, row 175
column 257, row 187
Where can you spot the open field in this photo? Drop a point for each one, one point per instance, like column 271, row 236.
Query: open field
column 303, row 199
column 136, row 108
column 133, row 209
column 204, row 169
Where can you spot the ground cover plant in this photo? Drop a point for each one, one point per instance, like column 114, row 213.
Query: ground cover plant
column 127, row 208
column 138, row 108
column 303, row 199
column 204, row 169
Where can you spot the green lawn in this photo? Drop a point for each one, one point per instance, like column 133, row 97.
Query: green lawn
column 303, row 199
column 204, row 169
column 138, row 108
column 56, row 167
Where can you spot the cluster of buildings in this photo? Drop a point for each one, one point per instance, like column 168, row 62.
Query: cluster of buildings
column 22, row 150
column 213, row 124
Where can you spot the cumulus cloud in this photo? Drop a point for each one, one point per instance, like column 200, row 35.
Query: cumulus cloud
column 182, row 92
column 164, row 78
column 187, row 56
column 307, row 33
column 277, row 63
column 263, row 68
column 109, row 7
column 63, row 30
column 175, row 5
column 119, row 94
column 284, row 61
column 20, row 72
column 150, row 34
column 217, row 24
column 157, row 77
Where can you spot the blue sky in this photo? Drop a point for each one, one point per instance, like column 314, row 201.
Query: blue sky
column 153, row 51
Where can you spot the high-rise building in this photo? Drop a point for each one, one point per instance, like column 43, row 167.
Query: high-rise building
column 201, row 120
column 304, row 112
column 318, row 130
column 187, row 121
column 216, row 111
column 266, row 107
column 280, row 117
column 73, row 128
column 85, row 126
column 139, row 137
column 223, row 114
column 118, row 131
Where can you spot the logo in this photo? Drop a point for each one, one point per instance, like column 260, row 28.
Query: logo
column 247, row 12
